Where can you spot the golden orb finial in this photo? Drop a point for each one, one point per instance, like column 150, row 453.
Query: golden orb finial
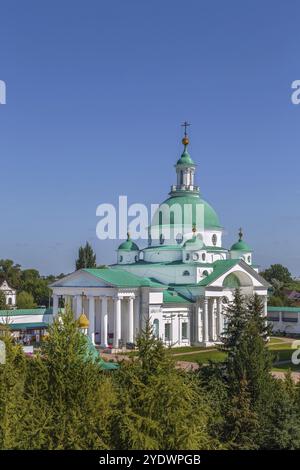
column 185, row 141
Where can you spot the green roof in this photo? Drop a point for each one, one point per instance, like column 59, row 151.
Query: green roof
column 220, row 267
column 171, row 296
column 93, row 354
column 121, row 278
column 27, row 326
column 240, row 246
column 185, row 159
column 283, row 309
column 25, row 311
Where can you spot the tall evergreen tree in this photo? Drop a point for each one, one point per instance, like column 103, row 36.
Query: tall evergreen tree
column 79, row 395
column 242, row 423
column 86, row 257
column 12, row 403
column 159, row 406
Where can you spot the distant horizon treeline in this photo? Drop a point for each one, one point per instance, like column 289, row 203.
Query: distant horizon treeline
column 32, row 287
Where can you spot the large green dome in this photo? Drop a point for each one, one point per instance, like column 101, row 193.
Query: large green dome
column 211, row 219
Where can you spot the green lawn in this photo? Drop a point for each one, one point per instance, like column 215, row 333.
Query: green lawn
column 279, row 346
column 202, row 358
column 273, row 339
column 184, row 349
column 282, row 352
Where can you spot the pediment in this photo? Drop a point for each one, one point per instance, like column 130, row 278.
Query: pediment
column 80, row 279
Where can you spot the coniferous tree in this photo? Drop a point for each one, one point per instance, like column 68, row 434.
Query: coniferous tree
column 79, row 395
column 3, row 305
column 86, row 257
column 159, row 406
column 282, row 428
column 12, row 403
column 236, row 315
column 242, row 422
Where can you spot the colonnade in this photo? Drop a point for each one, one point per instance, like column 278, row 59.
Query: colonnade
column 123, row 311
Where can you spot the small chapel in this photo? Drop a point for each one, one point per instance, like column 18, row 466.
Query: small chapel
column 181, row 282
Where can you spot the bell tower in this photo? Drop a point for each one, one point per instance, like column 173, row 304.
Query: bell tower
column 185, row 170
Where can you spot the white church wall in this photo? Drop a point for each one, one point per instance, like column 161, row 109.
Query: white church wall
column 155, row 297
column 208, row 237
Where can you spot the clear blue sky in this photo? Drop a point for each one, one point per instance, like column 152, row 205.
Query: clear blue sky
column 96, row 92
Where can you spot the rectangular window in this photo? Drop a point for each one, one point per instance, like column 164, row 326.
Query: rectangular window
column 168, row 331
column 273, row 316
column 290, row 317
column 184, row 330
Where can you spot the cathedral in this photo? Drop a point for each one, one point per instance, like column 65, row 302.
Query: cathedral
column 182, row 281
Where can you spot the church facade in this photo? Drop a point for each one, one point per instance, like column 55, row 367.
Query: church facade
column 182, row 281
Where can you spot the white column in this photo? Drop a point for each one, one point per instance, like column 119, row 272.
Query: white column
column 104, row 322
column 198, row 327
column 266, row 306
column 213, row 320
column 55, row 305
column 220, row 317
column 92, row 318
column 136, row 304
column 130, row 321
column 205, row 320
column 78, row 306
column 117, row 321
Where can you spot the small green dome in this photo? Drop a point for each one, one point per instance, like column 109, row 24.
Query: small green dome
column 194, row 243
column 185, row 159
column 128, row 245
column 240, row 246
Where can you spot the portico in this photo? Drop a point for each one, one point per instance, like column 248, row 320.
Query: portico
column 111, row 313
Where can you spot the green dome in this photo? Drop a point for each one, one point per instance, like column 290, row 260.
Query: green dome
column 211, row 219
column 128, row 245
column 194, row 244
column 185, row 159
column 240, row 246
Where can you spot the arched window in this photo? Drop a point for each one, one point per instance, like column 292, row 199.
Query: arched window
column 214, row 239
column 179, row 238
column 187, row 256
column 161, row 239
column 160, row 218
column 203, row 256
column 156, row 328
column 9, row 301
column 186, row 273
column 231, row 281
column 121, row 259
column 205, row 273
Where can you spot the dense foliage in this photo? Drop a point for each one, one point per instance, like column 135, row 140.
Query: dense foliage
column 86, row 257
column 282, row 284
column 62, row 399
column 27, row 281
